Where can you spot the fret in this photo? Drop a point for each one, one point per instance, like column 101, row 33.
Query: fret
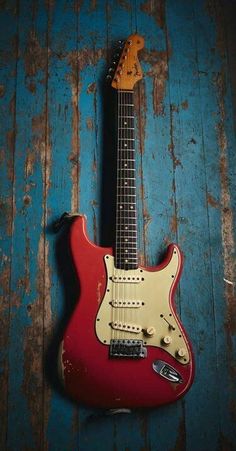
column 125, row 236
column 126, row 232
column 126, row 187
column 126, row 228
column 131, row 250
column 127, row 260
column 128, row 244
column 126, row 128
column 126, row 203
column 130, row 227
column 133, row 237
column 121, row 212
column 126, row 195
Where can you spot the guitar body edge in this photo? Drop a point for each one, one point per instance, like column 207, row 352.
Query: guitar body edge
column 90, row 376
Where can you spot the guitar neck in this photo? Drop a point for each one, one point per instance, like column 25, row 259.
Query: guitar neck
column 126, row 215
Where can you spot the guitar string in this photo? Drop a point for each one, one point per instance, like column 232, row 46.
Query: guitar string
column 124, row 174
column 130, row 165
column 115, row 295
column 128, row 216
column 119, row 208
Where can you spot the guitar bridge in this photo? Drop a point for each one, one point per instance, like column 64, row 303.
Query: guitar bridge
column 132, row 349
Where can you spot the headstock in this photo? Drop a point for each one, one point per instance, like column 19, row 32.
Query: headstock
column 127, row 71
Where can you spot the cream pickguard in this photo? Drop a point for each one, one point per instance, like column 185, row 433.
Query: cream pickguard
column 136, row 306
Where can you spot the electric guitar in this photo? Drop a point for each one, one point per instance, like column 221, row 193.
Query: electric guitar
column 125, row 345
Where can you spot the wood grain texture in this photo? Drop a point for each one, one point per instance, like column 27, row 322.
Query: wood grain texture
column 57, row 154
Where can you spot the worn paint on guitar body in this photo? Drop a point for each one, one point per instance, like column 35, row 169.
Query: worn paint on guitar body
column 89, row 374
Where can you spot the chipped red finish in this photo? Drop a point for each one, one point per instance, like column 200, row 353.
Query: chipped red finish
column 90, row 376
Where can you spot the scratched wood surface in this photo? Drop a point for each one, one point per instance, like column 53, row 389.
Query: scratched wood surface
column 57, row 154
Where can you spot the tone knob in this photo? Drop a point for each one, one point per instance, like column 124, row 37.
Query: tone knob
column 166, row 340
column 150, row 331
column 181, row 352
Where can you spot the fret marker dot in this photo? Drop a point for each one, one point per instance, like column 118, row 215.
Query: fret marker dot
column 126, row 239
column 125, row 123
column 126, row 250
column 131, row 206
column 125, row 144
column 126, row 228
column 125, row 164
column 126, row 261
column 125, row 183
column 121, row 206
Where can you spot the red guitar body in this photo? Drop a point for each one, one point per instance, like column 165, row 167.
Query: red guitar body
column 90, row 375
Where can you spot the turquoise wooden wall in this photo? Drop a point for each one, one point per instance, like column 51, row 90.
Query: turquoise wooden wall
column 56, row 155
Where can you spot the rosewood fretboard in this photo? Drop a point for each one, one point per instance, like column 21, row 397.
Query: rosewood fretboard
column 126, row 215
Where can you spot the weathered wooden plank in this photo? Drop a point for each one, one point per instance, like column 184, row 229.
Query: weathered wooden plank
column 192, row 132
column 8, row 49
column 25, row 418
column 62, row 195
column 220, row 157
column 158, row 168
column 92, row 51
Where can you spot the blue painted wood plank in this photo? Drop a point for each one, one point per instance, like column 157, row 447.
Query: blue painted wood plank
column 219, row 143
column 25, row 425
column 196, row 285
column 61, row 196
column 191, row 133
column 158, row 166
column 8, row 50
column 92, row 52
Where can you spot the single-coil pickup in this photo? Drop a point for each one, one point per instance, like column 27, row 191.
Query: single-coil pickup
column 126, row 327
column 126, row 279
column 126, row 304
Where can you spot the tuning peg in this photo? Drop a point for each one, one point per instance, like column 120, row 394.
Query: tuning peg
column 121, row 42
column 111, row 69
column 108, row 77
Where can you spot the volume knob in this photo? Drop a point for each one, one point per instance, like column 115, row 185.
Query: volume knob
column 150, row 331
column 181, row 352
column 166, row 340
